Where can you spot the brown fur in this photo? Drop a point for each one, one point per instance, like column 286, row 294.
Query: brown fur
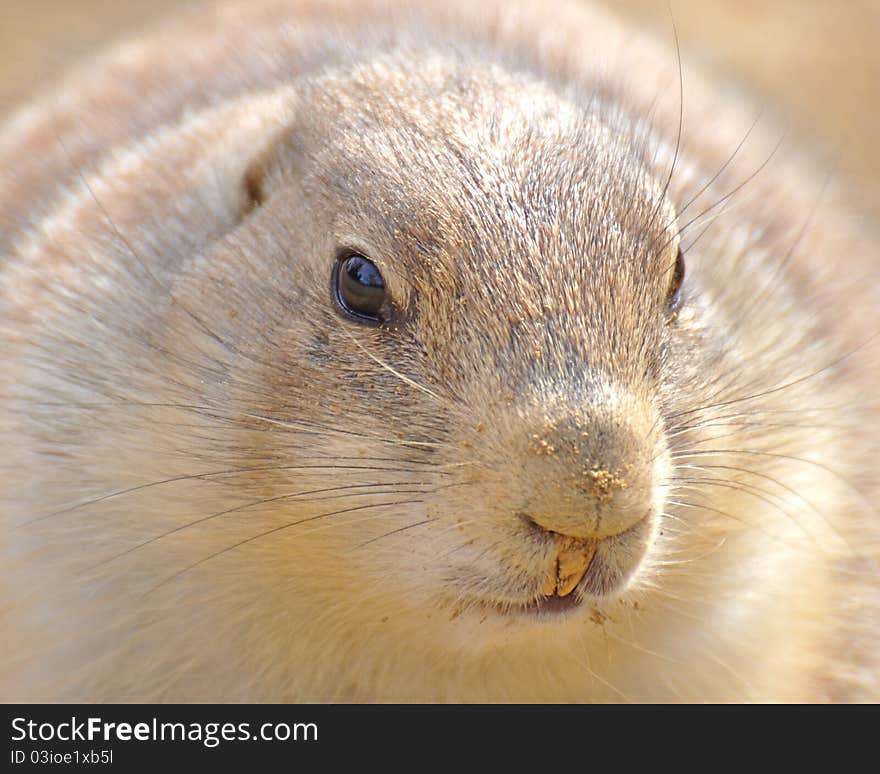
column 215, row 487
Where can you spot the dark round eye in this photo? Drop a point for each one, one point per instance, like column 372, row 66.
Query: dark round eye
column 673, row 296
column 359, row 288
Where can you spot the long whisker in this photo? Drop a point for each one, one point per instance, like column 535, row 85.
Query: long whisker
column 595, row 675
column 708, row 184
column 303, row 494
column 273, row 531
column 405, row 379
column 660, row 200
column 775, row 455
column 778, row 483
column 755, row 491
column 298, row 425
column 724, row 197
column 222, row 473
column 780, row 388
column 393, row 532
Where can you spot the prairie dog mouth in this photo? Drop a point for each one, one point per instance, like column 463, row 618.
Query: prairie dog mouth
column 586, row 569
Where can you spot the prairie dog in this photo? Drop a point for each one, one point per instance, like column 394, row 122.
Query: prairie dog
column 359, row 351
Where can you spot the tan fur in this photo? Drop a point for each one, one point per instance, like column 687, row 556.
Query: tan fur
column 215, row 487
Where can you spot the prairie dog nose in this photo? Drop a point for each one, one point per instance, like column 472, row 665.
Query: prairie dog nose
column 590, row 477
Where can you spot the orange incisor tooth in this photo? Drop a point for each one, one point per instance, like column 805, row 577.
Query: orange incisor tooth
column 574, row 561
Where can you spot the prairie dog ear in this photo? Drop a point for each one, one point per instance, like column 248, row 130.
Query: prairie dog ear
column 259, row 173
column 190, row 174
column 255, row 178
column 274, row 113
column 214, row 151
column 169, row 194
column 268, row 165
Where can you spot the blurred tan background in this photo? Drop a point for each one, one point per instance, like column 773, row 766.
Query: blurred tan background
column 816, row 62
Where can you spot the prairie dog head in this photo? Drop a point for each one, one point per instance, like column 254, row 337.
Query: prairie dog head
column 488, row 275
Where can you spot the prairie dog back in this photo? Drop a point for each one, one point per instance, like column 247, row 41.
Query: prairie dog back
column 361, row 351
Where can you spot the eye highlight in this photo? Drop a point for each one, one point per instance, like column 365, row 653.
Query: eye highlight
column 673, row 295
column 359, row 289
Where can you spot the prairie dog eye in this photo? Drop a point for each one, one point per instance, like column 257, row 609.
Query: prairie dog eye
column 359, row 289
column 673, row 295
